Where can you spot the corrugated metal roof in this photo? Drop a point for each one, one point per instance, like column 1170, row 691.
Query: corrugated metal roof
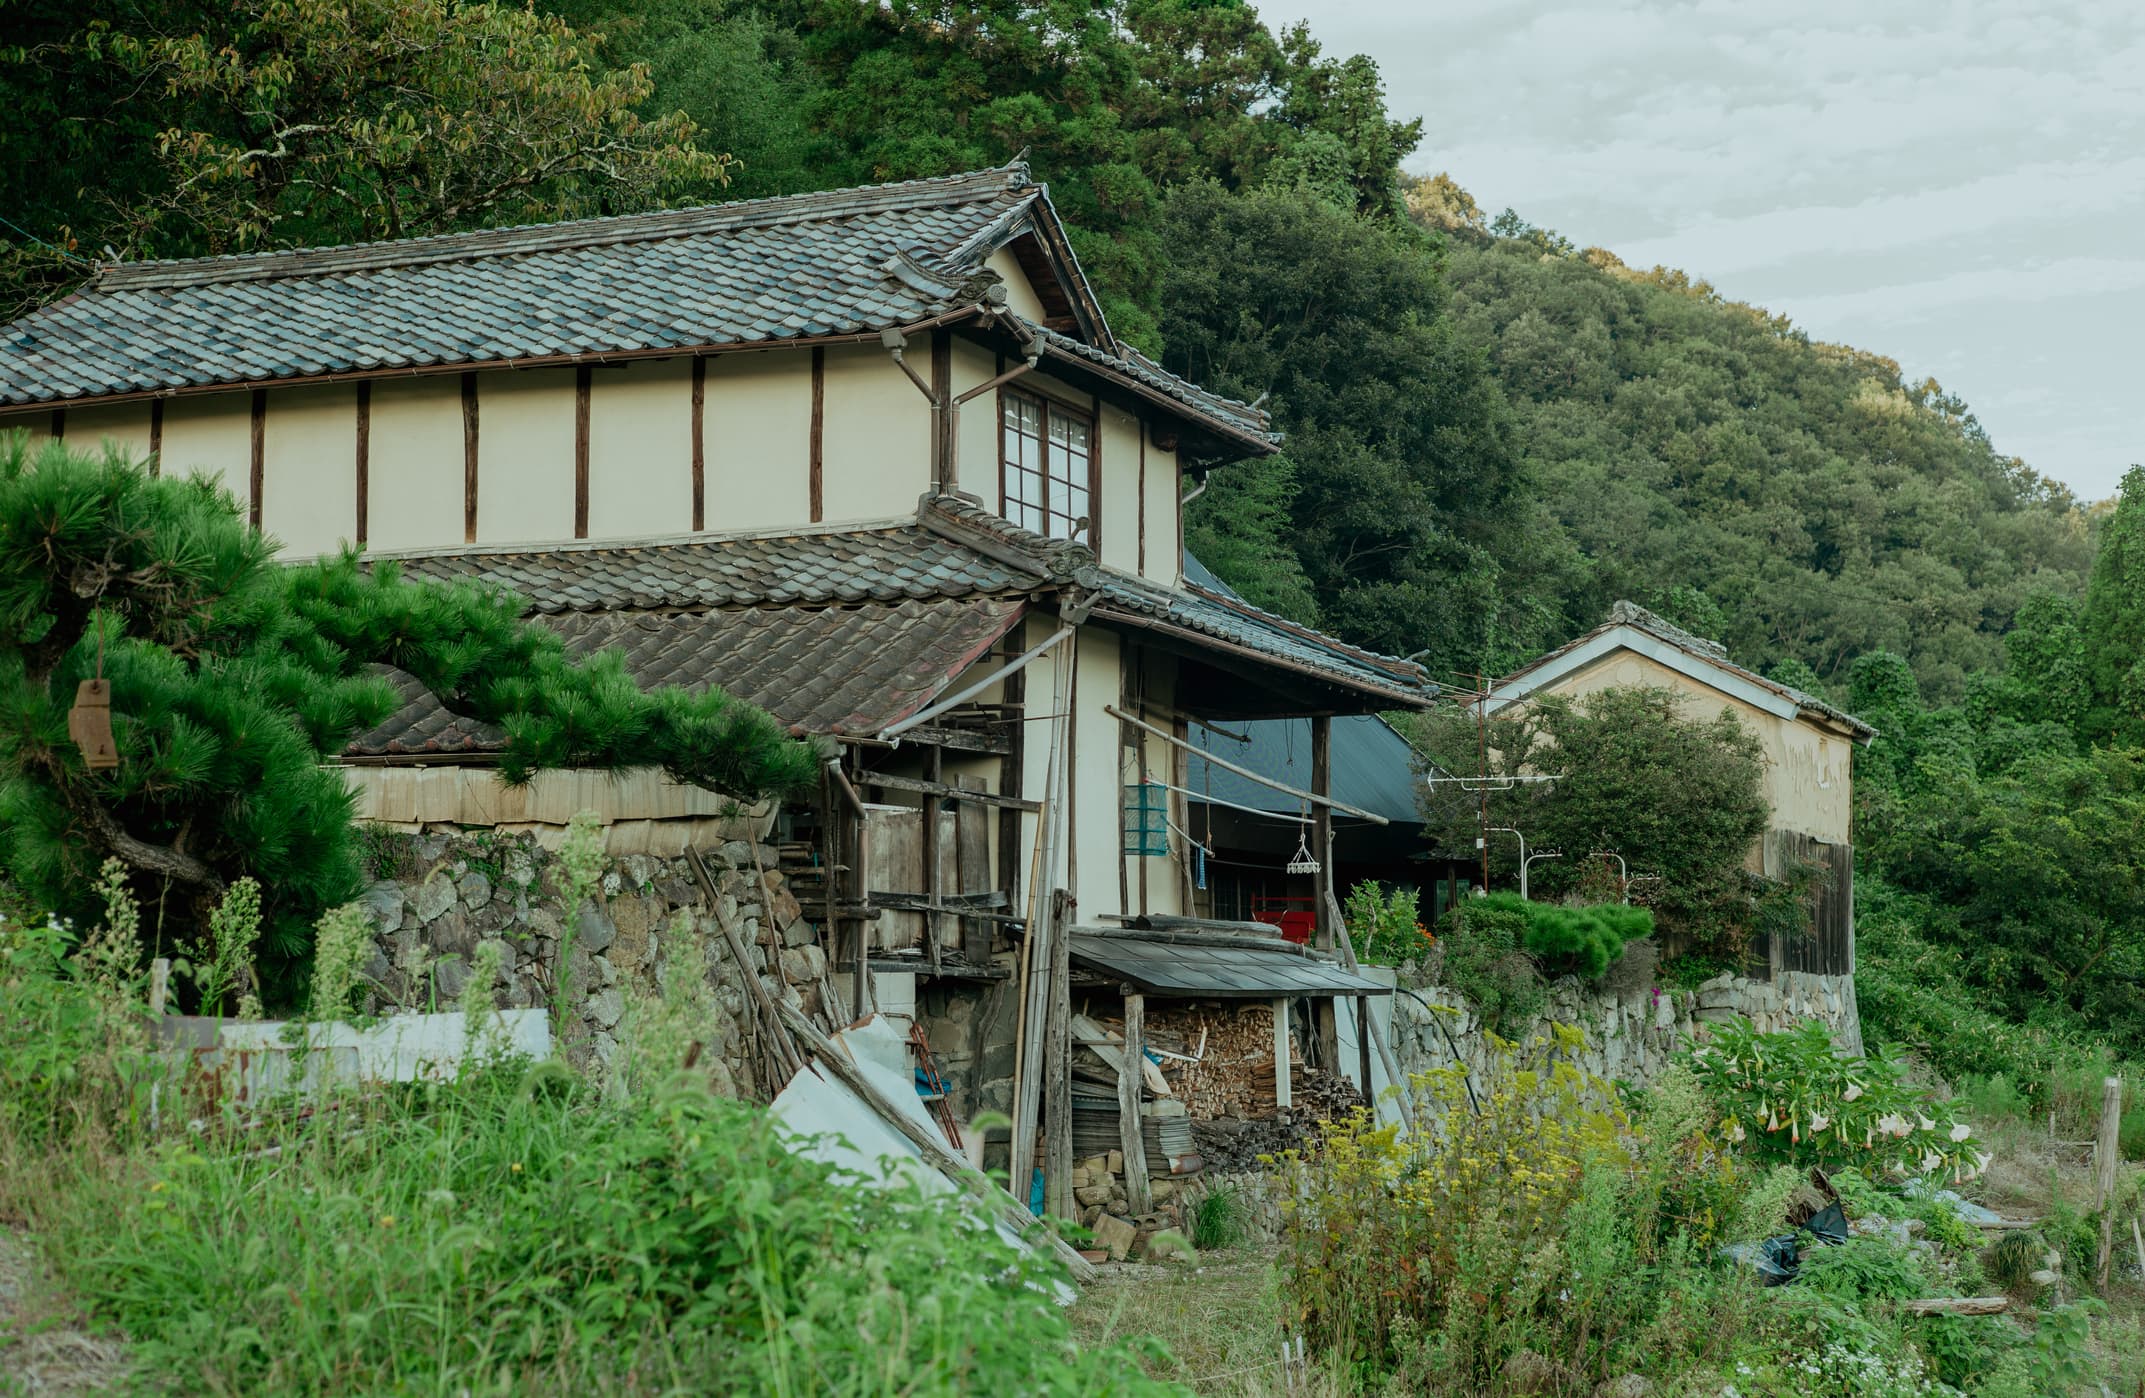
column 1179, row 966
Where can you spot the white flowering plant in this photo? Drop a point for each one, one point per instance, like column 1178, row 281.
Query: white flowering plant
column 1794, row 1098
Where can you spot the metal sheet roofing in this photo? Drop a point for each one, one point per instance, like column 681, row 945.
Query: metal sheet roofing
column 1180, row 966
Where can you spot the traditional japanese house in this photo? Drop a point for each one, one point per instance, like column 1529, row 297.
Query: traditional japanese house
column 872, row 459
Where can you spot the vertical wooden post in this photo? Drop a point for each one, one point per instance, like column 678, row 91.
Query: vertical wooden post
column 583, row 390
column 700, row 451
column 364, row 460
column 945, row 460
column 160, row 987
column 2107, row 1155
column 1057, row 1064
column 257, row 476
column 156, row 439
column 1010, row 770
column 1284, row 1096
column 934, row 886
column 1327, row 1034
column 1131, row 1136
column 816, row 486
column 469, row 458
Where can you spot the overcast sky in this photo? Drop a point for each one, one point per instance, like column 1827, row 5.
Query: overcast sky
column 1958, row 186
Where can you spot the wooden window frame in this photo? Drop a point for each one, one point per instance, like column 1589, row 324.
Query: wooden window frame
column 1047, row 406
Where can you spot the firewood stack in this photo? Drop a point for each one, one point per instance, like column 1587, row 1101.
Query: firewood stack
column 1234, row 1043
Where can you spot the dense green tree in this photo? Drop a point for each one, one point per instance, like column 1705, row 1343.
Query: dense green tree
column 1402, row 485
column 1678, row 796
column 235, row 680
column 2113, row 627
column 177, row 129
column 1821, row 503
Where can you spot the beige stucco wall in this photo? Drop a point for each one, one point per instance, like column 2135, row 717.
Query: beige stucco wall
column 1808, row 772
column 309, row 469
column 414, row 475
column 1165, row 542
column 876, row 439
column 525, row 456
column 212, row 436
column 640, row 449
column 1119, row 505
column 975, row 463
column 1020, row 294
column 757, row 430
column 124, row 425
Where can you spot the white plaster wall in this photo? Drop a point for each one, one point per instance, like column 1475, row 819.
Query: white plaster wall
column 976, row 434
column 1119, row 507
column 525, row 456
column 35, row 424
column 212, row 435
column 1098, row 772
column 414, row 463
column 309, row 468
column 1165, row 541
column 124, row 425
column 756, row 426
column 876, row 440
column 1020, row 293
column 640, row 449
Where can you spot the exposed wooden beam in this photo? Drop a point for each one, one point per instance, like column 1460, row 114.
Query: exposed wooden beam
column 818, row 489
column 944, row 792
column 469, row 458
column 364, row 461
column 582, row 381
column 700, row 456
column 258, row 473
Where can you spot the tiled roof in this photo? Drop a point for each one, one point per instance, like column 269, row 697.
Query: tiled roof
column 892, row 563
column 1711, row 652
column 421, row 726
column 848, row 671
column 1241, row 625
column 841, row 262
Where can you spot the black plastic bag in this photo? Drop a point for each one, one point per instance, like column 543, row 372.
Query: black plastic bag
column 1778, row 1260
column 1829, row 1225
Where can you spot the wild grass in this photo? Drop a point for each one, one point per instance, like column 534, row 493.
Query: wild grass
column 514, row 1230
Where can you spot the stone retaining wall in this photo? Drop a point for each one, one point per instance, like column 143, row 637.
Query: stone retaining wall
column 450, row 891
column 1631, row 1033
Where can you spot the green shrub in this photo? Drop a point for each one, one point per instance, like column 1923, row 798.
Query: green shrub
column 1864, row 1269
column 1386, row 927
column 1482, row 958
column 2010, row 1262
column 1793, row 1097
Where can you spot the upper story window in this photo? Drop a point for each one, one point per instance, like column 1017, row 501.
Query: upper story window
column 1046, row 463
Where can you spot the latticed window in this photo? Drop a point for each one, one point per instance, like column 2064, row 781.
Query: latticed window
column 1045, row 458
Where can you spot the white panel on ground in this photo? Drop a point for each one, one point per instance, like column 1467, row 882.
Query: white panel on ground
column 1381, row 1013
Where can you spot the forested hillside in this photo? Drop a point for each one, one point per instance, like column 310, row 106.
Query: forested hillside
column 1492, row 435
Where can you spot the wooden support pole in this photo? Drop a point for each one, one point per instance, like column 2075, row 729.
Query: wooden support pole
column 160, row 987
column 1283, row 1097
column 2107, row 1154
column 1326, row 1030
column 1057, row 1065
column 1131, row 1137
column 934, row 885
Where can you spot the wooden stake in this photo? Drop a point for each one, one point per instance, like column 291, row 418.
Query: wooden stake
column 1130, row 1136
column 1057, row 1064
column 1283, row 1098
column 2106, row 1156
column 159, row 985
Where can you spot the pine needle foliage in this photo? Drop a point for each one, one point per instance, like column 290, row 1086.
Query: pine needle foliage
column 235, row 679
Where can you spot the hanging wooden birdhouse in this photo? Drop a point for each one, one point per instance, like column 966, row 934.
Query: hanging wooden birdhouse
column 89, row 723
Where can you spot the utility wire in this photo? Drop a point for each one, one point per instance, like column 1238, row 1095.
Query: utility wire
column 51, row 247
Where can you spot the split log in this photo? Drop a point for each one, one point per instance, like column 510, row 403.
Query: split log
column 1959, row 1305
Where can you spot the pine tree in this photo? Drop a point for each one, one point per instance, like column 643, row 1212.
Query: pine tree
column 234, row 679
column 2114, row 622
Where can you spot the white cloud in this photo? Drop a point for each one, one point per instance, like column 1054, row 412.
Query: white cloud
column 1943, row 183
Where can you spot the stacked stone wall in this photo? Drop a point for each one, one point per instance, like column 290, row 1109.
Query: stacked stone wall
column 449, row 891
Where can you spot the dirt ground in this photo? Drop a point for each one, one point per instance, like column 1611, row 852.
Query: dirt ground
column 43, row 1345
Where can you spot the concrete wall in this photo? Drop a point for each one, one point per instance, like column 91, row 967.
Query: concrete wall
column 1808, row 772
